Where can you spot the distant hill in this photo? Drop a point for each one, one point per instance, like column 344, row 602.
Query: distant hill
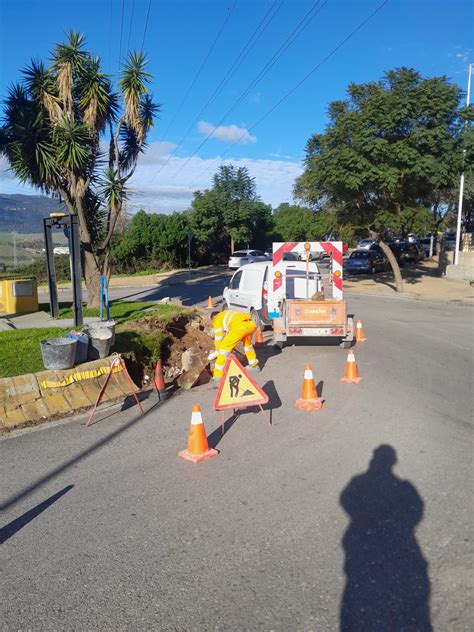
column 24, row 213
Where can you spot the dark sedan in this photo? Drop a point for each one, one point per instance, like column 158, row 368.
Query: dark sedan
column 367, row 261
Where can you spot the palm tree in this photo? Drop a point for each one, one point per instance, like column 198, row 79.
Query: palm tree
column 54, row 122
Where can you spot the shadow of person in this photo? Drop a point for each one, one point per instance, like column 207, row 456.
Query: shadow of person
column 387, row 585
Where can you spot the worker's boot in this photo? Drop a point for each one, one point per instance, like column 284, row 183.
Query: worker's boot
column 254, row 368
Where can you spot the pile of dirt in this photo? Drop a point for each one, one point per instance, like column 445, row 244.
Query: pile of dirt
column 182, row 343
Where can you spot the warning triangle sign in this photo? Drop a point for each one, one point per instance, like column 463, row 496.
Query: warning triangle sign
column 237, row 389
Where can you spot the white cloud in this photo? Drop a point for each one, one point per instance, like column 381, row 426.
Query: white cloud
column 227, row 133
column 162, row 189
column 158, row 188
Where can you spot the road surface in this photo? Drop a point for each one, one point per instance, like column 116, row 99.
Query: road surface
column 355, row 517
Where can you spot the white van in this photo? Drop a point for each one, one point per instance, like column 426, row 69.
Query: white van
column 249, row 287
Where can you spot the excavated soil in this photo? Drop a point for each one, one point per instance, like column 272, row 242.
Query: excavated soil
column 186, row 331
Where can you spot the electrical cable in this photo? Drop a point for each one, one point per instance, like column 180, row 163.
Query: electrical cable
column 196, row 76
column 146, row 25
column 305, row 78
column 121, row 34
column 299, row 28
column 235, row 65
column 130, row 27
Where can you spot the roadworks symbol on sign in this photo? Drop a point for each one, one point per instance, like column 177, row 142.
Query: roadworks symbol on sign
column 237, row 389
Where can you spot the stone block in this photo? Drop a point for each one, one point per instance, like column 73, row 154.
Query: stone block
column 12, row 418
column 122, row 382
column 91, row 389
column 47, row 376
column 26, row 388
column 8, row 400
column 76, row 396
column 34, row 411
column 56, row 403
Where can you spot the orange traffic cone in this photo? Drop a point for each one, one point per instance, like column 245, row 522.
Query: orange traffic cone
column 352, row 373
column 158, row 379
column 209, row 303
column 259, row 341
column 360, row 332
column 309, row 397
column 198, row 447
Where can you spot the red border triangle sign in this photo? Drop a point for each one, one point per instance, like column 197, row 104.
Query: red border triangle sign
column 237, row 389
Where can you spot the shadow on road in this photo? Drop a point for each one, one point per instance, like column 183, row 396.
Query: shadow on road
column 14, row 526
column 387, row 584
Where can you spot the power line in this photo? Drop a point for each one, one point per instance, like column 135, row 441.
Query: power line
column 196, row 76
column 146, row 24
column 241, row 56
column 121, row 34
column 299, row 28
column 305, row 78
column 130, row 27
column 225, row 79
column 109, row 61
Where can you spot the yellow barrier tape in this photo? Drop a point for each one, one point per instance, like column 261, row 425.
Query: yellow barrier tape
column 82, row 375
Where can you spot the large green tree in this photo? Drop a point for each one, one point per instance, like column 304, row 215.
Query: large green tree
column 391, row 148
column 67, row 132
column 230, row 213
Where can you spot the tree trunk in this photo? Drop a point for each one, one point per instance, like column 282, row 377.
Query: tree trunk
column 394, row 264
column 231, row 245
column 92, row 274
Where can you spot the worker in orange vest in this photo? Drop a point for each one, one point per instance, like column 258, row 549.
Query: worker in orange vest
column 230, row 328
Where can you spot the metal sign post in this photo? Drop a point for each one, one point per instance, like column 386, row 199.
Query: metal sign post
column 190, row 238
column 70, row 225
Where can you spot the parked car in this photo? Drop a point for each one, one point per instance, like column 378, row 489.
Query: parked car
column 394, row 247
column 248, row 288
column 412, row 251
column 291, row 256
column 367, row 261
column 425, row 244
column 242, row 257
column 269, row 253
column 364, row 244
column 449, row 241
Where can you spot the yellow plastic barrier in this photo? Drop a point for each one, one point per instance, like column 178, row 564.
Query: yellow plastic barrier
column 81, row 375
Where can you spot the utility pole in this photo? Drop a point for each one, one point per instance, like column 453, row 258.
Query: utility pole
column 461, row 184
column 15, row 259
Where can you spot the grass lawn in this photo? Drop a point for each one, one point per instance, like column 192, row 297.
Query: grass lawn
column 20, row 348
column 121, row 311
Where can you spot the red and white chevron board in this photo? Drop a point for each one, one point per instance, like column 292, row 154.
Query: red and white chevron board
column 330, row 247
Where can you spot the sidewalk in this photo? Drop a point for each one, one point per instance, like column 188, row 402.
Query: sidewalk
column 171, row 277
column 421, row 282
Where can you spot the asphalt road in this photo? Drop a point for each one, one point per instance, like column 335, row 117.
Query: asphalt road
column 190, row 291
column 306, row 525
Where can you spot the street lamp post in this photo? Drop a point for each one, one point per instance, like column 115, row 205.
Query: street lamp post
column 461, row 185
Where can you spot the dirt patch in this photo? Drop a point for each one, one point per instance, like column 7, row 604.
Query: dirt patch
column 148, row 339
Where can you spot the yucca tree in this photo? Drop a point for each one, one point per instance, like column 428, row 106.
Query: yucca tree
column 57, row 121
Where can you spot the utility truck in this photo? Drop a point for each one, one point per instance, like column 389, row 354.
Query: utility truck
column 313, row 315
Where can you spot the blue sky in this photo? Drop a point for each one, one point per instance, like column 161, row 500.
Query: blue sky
column 433, row 36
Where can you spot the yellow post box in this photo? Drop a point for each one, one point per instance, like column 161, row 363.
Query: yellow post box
column 18, row 296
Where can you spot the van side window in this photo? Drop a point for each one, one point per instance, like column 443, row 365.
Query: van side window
column 235, row 281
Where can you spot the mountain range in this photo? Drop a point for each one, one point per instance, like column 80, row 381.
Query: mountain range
column 25, row 213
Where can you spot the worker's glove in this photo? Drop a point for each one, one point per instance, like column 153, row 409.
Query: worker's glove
column 212, row 356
